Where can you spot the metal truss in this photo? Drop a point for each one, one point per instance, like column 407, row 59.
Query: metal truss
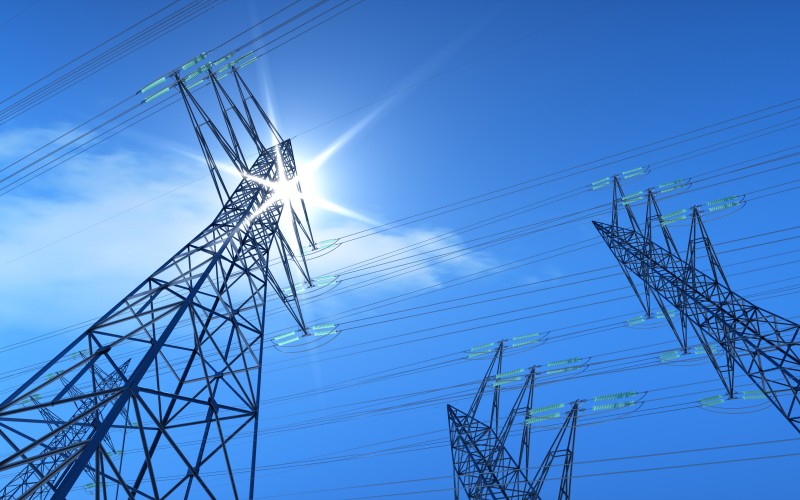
column 483, row 466
column 762, row 344
column 172, row 373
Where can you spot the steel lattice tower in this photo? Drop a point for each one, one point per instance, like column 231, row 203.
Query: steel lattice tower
column 172, row 374
column 483, row 466
column 762, row 344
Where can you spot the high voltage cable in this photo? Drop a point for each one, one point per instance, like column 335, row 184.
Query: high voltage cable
column 631, row 414
column 618, row 323
column 19, row 13
column 39, row 171
column 26, row 254
column 779, row 167
column 340, row 292
column 734, row 264
column 692, row 131
column 88, row 51
column 306, row 462
column 539, row 429
column 115, row 53
column 460, row 330
column 344, row 269
column 574, row 476
column 262, row 21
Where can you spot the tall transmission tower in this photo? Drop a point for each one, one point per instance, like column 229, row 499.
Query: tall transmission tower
column 160, row 397
column 762, row 344
column 483, row 466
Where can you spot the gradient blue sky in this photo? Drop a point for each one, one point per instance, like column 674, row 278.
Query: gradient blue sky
column 415, row 105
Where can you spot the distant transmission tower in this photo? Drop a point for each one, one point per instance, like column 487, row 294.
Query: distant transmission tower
column 762, row 344
column 483, row 466
column 160, row 396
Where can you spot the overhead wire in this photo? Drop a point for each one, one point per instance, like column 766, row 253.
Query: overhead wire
column 178, row 18
column 88, row 138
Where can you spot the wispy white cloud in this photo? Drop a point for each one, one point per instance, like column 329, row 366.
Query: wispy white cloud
column 91, row 230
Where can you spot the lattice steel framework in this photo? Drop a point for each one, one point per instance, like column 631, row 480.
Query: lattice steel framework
column 484, row 467
column 172, row 373
column 762, row 344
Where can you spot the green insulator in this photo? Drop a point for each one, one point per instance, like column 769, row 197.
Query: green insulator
column 322, row 333
column 248, row 62
column 701, row 350
column 726, row 199
column 564, row 362
column 541, row 418
column 192, row 75
column 223, row 59
column 157, row 94
column 510, row 373
column 477, row 354
column 627, row 200
column 561, row 370
column 520, row 344
column 637, row 320
column 672, row 313
column 673, row 186
column 322, row 245
column 599, row 184
column 239, row 60
column 498, row 383
column 712, row 401
column 323, row 326
column 542, row 409
column 530, row 335
column 676, row 213
column 289, row 341
column 194, row 61
column 754, row 394
column 285, row 335
column 716, row 208
column 195, row 84
column 481, row 347
column 613, row 406
column 154, row 84
column 633, row 172
column 616, row 395
column 669, row 356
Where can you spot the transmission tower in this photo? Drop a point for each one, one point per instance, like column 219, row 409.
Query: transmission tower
column 762, row 344
column 483, row 466
column 173, row 371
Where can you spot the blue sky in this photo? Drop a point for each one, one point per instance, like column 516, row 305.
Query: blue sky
column 403, row 107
